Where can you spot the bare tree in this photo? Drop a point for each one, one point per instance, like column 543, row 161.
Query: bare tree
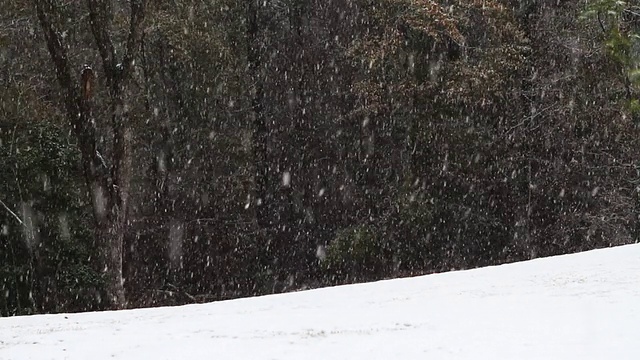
column 109, row 182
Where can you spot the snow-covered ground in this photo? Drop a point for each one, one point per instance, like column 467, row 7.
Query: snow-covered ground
column 581, row 306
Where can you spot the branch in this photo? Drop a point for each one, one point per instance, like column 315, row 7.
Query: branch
column 99, row 11
column 601, row 24
column 634, row 13
column 44, row 10
column 75, row 109
column 12, row 213
column 176, row 290
column 138, row 8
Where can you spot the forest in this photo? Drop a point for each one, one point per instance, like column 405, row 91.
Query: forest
column 178, row 151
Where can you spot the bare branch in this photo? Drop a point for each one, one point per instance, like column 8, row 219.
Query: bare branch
column 138, row 8
column 634, row 13
column 12, row 213
column 601, row 24
column 99, row 12
column 53, row 38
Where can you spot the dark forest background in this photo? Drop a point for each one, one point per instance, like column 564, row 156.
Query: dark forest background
column 235, row 148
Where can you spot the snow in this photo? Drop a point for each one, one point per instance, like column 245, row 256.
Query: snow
column 580, row 306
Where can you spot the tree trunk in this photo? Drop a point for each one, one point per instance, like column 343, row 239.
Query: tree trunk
column 109, row 185
column 260, row 130
column 110, row 239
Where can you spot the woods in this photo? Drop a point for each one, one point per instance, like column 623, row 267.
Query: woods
column 236, row 148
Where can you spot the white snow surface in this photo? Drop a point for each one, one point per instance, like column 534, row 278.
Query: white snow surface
column 579, row 306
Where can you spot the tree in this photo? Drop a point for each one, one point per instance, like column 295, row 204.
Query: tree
column 254, row 61
column 388, row 137
column 108, row 182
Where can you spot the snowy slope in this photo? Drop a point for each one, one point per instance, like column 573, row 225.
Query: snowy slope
column 581, row 306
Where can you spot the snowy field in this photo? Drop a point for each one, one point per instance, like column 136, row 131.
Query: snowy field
column 582, row 306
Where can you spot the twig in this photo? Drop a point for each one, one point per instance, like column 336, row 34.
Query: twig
column 632, row 12
column 176, row 290
column 11, row 212
column 601, row 24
